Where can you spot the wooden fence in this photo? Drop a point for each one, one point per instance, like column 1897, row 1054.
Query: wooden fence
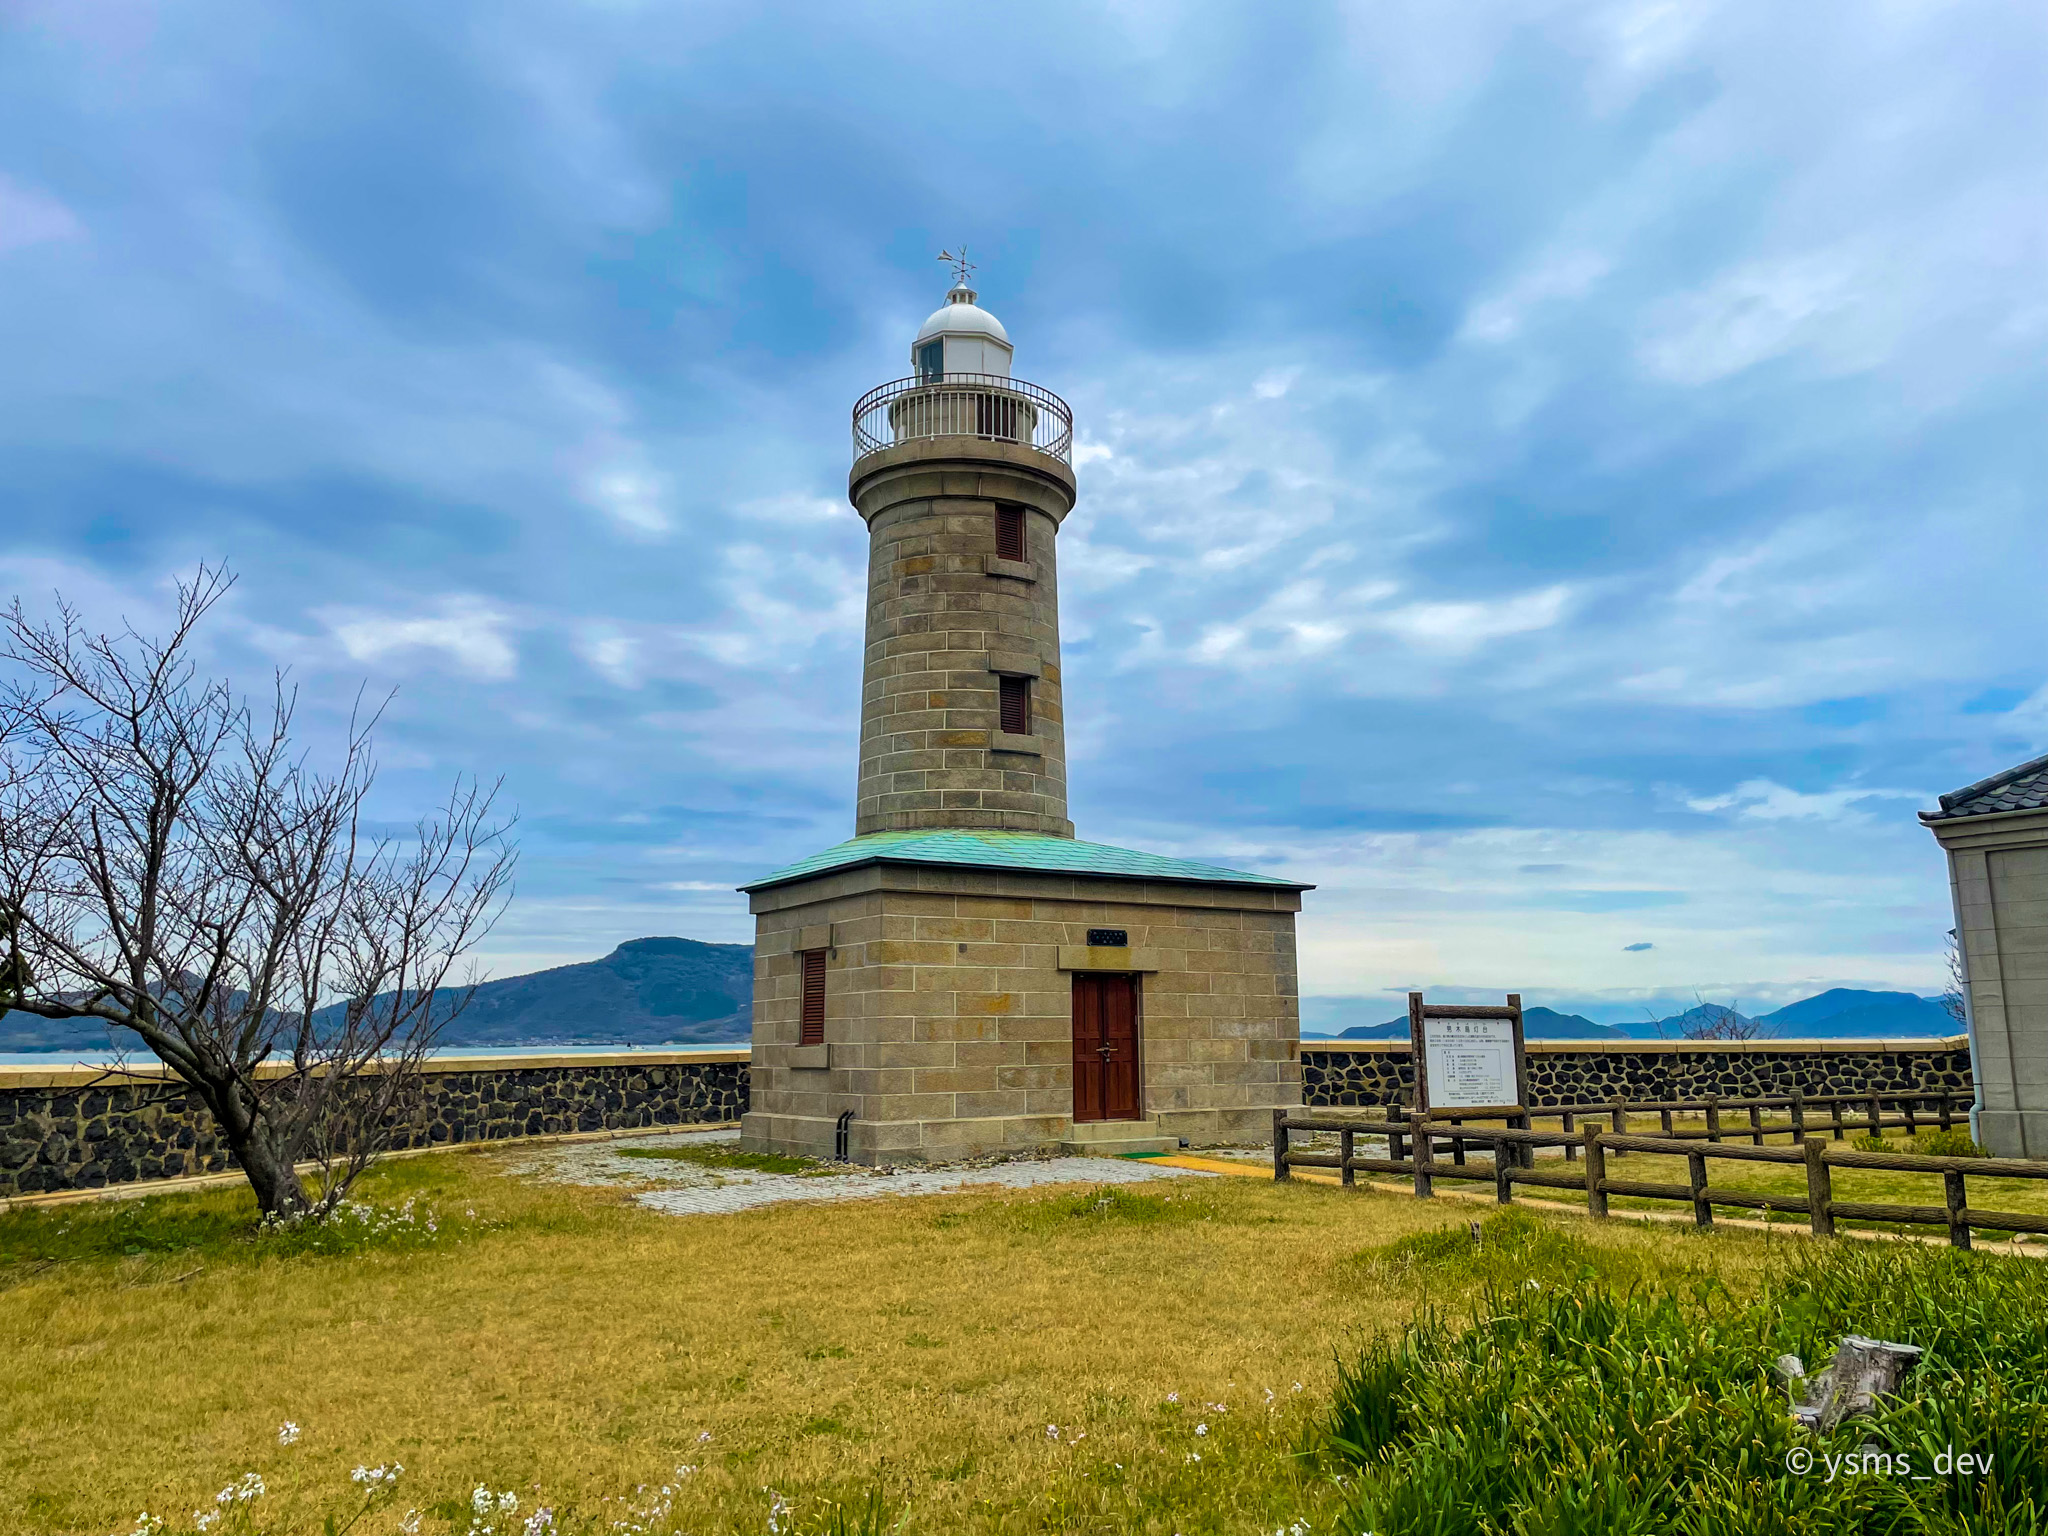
column 1835, row 1113
column 1514, row 1162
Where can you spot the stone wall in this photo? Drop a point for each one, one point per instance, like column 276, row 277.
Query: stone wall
column 79, row 1128
column 1378, row 1073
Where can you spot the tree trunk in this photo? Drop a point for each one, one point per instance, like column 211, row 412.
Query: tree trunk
column 271, row 1175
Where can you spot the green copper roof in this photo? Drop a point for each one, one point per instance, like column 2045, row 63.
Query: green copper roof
column 1032, row 851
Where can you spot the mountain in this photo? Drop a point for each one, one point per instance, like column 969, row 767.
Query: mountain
column 1537, row 1024
column 1842, row 1013
column 645, row 992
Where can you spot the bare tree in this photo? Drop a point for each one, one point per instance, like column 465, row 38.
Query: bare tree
column 172, row 865
column 1710, row 1021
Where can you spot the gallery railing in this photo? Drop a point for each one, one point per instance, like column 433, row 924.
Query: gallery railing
column 981, row 405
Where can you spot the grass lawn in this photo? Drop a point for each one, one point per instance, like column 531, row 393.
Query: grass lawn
column 1013, row 1361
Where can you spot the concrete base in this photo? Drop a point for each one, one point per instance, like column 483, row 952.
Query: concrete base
column 1118, row 1138
column 874, row 1143
column 2013, row 1132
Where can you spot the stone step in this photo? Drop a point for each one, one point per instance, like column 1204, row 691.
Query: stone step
column 1117, row 1138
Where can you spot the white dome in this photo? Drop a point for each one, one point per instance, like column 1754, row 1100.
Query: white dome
column 962, row 319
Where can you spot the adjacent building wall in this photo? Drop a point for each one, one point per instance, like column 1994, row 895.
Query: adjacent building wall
column 949, row 1008
column 1998, row 877
column 85, row 1128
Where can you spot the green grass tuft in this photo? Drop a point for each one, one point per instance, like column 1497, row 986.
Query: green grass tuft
column 1583, row 1407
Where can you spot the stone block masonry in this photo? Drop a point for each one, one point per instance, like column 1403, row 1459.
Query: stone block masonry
column 1381, row 1073
column 80, row 1128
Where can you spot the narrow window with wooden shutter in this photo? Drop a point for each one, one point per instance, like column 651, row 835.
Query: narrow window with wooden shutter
column 1009, row 533
column 814, row 998
column 1015, row 696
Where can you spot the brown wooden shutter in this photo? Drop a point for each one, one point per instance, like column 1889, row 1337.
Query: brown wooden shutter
column 1009, row 533
column 1015, row 694
column 814, row 998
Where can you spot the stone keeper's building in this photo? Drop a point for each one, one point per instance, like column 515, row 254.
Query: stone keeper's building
column 963, row 976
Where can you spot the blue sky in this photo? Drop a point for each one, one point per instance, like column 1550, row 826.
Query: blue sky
column 1566, row 479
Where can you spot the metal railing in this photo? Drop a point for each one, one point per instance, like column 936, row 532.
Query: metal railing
column 982, row 405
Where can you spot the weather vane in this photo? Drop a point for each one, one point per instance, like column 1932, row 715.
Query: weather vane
column 961, row 265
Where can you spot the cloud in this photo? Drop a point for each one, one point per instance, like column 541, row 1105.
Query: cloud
column 29, row 216
column 1747, row 316
column 468, row 631
column 1497, row 430
column 1761, row 800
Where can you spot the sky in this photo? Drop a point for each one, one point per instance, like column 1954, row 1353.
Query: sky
column 1565, row 479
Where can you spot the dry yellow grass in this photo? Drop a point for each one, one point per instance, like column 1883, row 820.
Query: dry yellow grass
column 581, row 1347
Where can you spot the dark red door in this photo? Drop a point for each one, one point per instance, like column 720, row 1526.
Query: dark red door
column 1106, row 1048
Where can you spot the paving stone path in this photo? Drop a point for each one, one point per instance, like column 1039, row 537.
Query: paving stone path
column 686, row 1189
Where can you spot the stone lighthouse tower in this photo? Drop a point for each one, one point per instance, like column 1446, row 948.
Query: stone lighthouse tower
column 963, row 976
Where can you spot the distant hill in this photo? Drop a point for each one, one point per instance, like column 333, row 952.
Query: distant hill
column 1841, row 1013
column 1537, row 1024
column 645, row 992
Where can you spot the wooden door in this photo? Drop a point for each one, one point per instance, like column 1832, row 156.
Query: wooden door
column 1106, row 1048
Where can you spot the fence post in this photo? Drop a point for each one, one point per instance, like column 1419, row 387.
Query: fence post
column 1424, row 1153
column 1504, row 1161
column 1696, row 1165
column 1798, row 1115
column 1713, row 1117
column 1912, row 1124
column 1756, row 1124
column 1280, row 1169
column 1620, row 1121
column 1596, row 1173
column 1946, row 1096
column 1570, row 1151
column 1664, row 1119
column 1876, row 1115
column 1956, row 1201
column 1820, row 1194
column 1457, row 1144
column 1344, row 1170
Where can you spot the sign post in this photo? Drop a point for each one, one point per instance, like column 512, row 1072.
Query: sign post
column 1469, row 1058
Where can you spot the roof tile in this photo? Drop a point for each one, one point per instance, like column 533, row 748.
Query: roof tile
column 2024, row 788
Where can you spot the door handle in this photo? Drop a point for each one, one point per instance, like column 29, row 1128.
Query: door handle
column 1105, row 1051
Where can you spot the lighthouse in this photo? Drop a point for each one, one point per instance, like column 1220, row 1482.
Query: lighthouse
column 963, row 976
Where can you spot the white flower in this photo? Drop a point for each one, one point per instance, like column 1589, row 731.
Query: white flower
column 206, row 1521
column 1173, row 1397
column 1297, row 1386
column 540, row 1523
column 1052, row 1431
column 288, row 1433
column 507, row 1502
column 1532, row 1285
column 248, row 1487
column 1201, row 1429
column 1194, row 1455
column 480, row 1499
column 704, row 1437
column 411, row 1523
